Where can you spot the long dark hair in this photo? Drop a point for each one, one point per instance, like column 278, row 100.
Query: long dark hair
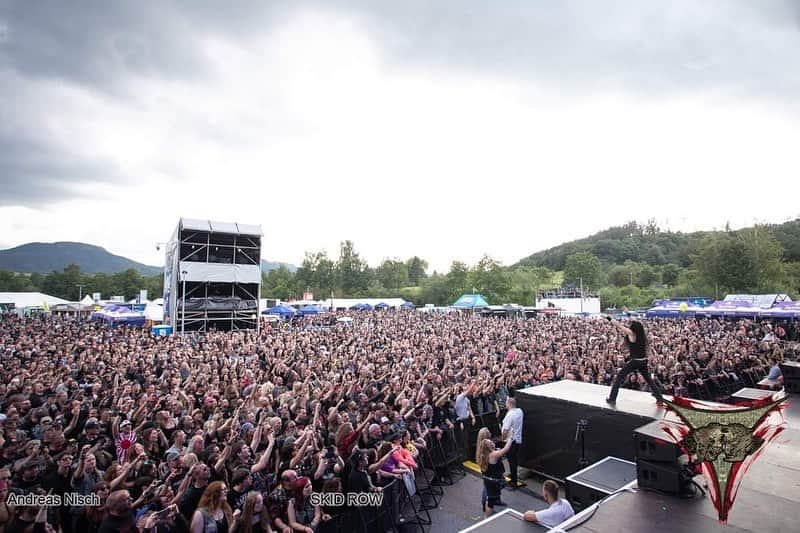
column 641, row 337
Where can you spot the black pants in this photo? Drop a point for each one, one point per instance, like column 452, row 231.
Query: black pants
column 513, row 461
column 634, row 365
column 463, row 433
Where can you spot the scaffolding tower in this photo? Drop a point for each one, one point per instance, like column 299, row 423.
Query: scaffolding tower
column 212, row 276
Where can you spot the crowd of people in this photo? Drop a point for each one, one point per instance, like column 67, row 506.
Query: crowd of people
column 234, row 431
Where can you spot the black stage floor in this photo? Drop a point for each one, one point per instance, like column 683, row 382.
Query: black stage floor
column 768, row 497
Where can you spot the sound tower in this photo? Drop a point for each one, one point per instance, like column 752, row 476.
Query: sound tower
column 212, row 276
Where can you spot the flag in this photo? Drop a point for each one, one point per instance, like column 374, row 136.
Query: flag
column 124, row 443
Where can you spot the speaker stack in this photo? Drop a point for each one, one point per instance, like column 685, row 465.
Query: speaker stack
column 791, row 376
column 657, row 464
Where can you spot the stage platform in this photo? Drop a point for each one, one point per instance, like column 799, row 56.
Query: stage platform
column 768, row 497
column 635, row 512
column 551, row 414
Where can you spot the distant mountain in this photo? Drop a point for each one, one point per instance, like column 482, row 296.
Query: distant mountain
column 46, row 257
column 266, row 266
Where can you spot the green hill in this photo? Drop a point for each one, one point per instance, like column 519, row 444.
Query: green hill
column 48, row 257
column 650, row 245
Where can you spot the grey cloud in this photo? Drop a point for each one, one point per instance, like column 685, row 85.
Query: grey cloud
column 652, row 48
column 99, row 44
column 35, row 174
column 738, row 47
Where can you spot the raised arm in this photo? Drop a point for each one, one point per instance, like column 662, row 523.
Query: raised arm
column 625, row 330
column 497, row 454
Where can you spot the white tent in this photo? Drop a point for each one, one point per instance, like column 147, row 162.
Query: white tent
column 154, row 312
column 347, row 303
column 87, row 301
column 29, row 300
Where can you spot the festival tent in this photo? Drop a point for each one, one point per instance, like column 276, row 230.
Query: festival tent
column 673, row 309
column 361, row 307
column 154, row 312
column 783, row 310
column 22, row 301
column 382, row 305
column 280, row 310
column 470, row 301
column 407, row 305
column 309, row 310
column 119, row 314
column 762, row 301
column 731, row 308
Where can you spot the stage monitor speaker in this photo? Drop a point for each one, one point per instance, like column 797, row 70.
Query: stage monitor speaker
column 790, row 370
column 596, row 482
column 664, row 477
column 654, row 444
column 792, row 385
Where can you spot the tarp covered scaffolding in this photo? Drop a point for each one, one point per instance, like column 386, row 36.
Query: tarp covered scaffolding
column 212, row 276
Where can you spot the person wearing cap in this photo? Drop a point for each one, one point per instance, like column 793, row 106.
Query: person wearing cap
column 125, row 438
column 373, row 437
column 91, row 432
column 32, row 456
column 387, row 428
column 172, row 463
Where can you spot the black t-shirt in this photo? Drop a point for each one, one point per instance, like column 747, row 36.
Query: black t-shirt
column 60, row 484
column 18, row 525
column 29, row 486
column 359, row 481
column 118, row 524
column 190, row 500
column 236, row 499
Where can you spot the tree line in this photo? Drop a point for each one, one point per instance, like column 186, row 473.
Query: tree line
column 627, row 266
column 71, row 283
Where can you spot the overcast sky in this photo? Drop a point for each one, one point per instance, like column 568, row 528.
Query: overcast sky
column 442, row 129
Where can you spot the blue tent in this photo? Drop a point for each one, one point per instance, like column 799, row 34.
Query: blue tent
column 362, row 307
column 470, row 301
column 280, row 310
column 407, row 305
column 382, row 305
column 310, row 310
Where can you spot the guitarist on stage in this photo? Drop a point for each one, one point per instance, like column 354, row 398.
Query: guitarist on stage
column 636, row 339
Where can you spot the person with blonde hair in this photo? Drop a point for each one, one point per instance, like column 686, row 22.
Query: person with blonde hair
column 483, row 434
column 492, row 470
column 189, row 460
column 213, row 514
column 255, row 518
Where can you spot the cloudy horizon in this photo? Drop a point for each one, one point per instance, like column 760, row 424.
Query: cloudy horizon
column 446, row 131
